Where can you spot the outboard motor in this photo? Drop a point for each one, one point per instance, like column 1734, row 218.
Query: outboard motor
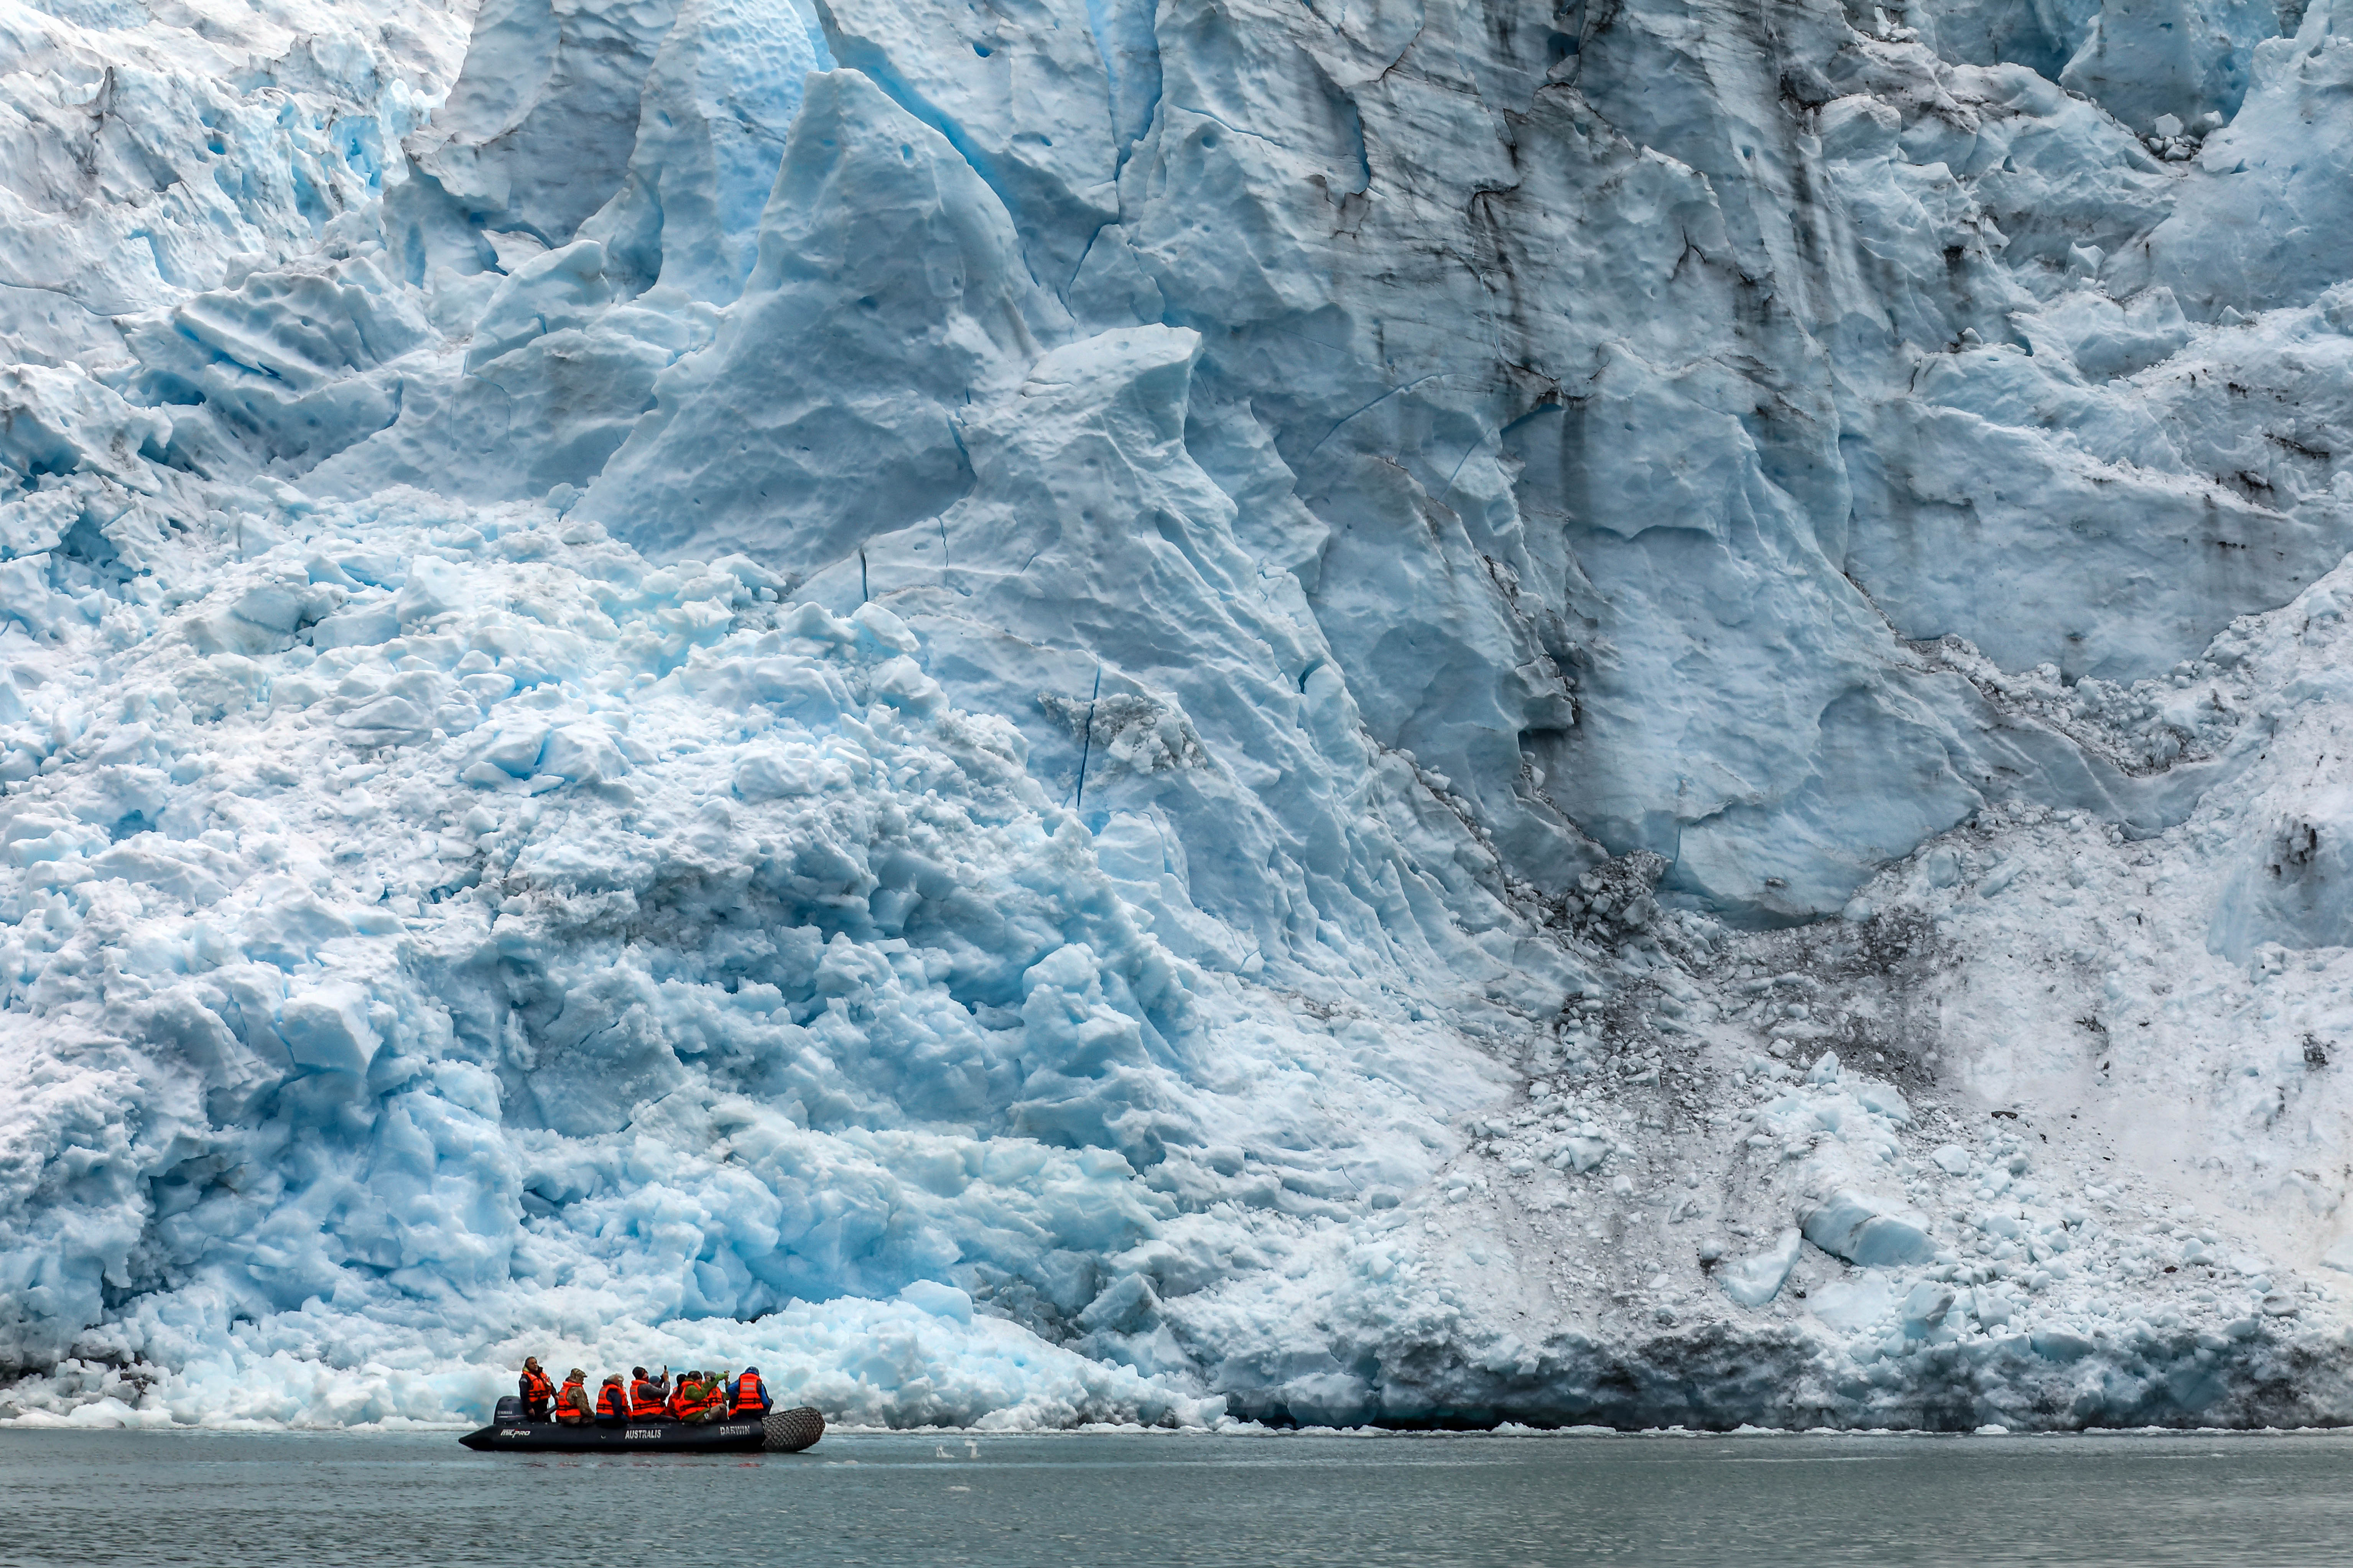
column 510, row 1409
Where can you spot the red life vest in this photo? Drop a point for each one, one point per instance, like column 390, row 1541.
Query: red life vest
column 683, row 1403
column 572, row 1404
column 747, row 1394
column 535, row 1385
column 612, row 1404
column 646, row 1403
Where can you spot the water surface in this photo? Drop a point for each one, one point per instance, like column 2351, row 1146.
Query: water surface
column 1483, row 1501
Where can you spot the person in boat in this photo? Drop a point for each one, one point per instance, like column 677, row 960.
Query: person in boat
column 536, row 1389
column 572, row 1399
column 612, row 1402
column 649, row 1400
column 709, row 1400
column 718, row 1395
column 747, row 1396
column 686, row 1399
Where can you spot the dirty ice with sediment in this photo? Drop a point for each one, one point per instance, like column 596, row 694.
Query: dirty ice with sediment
column 1411, row 710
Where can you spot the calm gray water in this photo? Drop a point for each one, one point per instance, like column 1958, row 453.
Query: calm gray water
column 392, row 1502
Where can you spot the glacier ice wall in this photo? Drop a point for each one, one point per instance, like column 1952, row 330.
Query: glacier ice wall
column 1049, row 711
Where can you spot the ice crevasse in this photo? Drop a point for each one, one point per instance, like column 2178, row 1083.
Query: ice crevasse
column 1047, row 712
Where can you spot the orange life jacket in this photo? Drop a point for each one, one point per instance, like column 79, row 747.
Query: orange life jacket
column 612, row 1403
column 572, row 1404
column 646, row 1403
column 684, row 1402
column 535, row 1385
column 747, row 1394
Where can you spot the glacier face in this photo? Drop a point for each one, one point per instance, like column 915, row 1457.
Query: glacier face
column 1053, row 712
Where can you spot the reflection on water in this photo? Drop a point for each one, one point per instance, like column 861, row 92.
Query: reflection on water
column 392, row 1502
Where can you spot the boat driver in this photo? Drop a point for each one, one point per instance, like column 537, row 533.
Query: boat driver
column 536, row 1389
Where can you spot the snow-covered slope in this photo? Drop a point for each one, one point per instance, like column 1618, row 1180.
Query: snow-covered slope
column 1046, row 711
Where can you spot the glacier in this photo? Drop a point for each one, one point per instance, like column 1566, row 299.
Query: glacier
column 1417, row 712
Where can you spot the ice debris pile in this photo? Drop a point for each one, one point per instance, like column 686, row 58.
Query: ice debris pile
column 1067, row 712
column 552, row 944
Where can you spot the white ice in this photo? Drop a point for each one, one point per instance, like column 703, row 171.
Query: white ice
column 1076, row 712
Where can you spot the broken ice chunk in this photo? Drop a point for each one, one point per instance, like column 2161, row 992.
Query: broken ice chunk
column 515, row 749
column 1757, row 1279
column 1925, row 1307
column 328, row 1030
column 1867, row 1231
column 582, row 754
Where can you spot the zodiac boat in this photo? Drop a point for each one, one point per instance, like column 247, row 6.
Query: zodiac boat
column 782, row 1432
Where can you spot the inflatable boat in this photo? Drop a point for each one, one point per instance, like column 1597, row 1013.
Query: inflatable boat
column 784, row 1432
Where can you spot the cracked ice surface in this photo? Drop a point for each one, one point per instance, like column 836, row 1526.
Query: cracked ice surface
column 1085, row 711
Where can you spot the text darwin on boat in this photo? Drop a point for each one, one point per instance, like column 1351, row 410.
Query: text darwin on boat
column 784, row 1432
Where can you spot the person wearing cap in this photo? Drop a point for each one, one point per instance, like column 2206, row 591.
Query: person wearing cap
column 612, row 1402
column 649, row 1398
column 686, row 1399
column 572, row 1399
column 535, row 1388
column 749, row 1396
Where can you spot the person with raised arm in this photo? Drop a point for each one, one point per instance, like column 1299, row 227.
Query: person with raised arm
column 649, row 1398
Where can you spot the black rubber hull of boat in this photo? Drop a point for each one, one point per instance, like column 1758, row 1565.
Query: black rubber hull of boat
column 787, row 1431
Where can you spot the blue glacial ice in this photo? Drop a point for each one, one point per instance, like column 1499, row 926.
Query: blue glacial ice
column 1067, row 712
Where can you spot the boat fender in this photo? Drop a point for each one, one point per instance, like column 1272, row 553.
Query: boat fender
column 790, row 1431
